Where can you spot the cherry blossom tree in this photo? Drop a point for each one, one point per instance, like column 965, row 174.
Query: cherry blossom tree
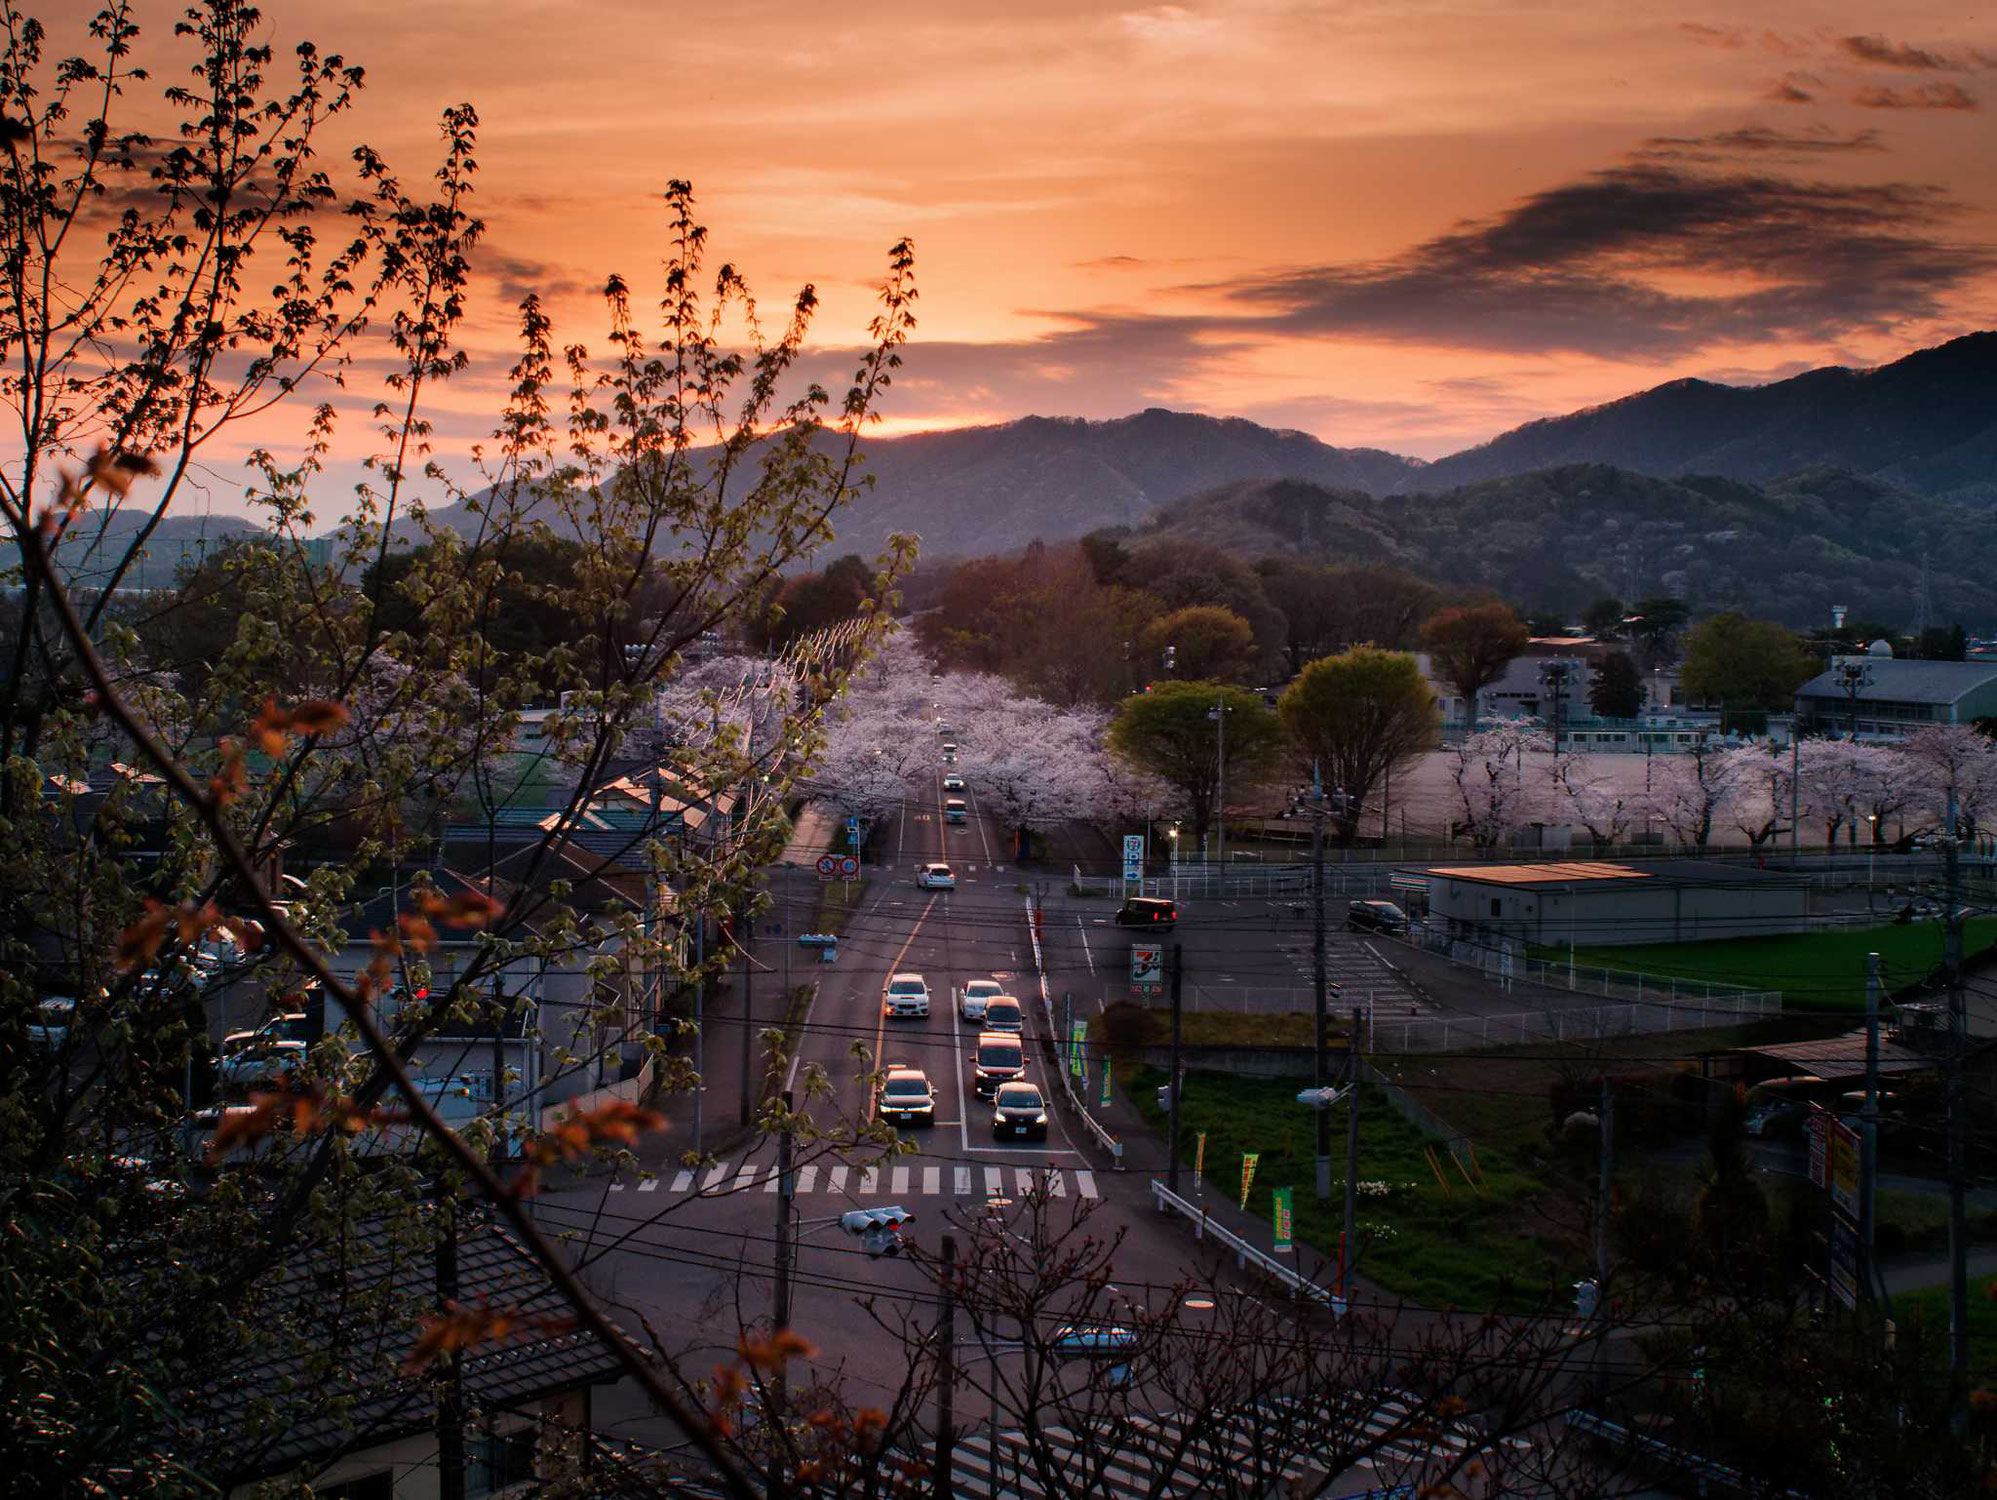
column 1593, row 799
column 1692, row 791
column 1032, row 765
column 1950, row 768
column 1762, row 783
column 1835, row 776
column 1487, row 772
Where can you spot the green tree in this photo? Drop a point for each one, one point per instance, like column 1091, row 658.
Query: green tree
column 1745, row 664
column 1655, row 623
column 1941, row 643
column 1471, row 645
column 1604, row 618
column 1326, row 609
column 1617, row 691
column 1170, row 732
column 1359, row 715
column 1209, row 643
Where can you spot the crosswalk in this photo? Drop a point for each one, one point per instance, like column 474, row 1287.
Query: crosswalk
column 1161, row 1460
column 838, row 1180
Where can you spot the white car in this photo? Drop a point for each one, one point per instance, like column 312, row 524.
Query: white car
column 976, row 993
column 936, row 877
column 906, row 995
column 263, row 1061
column 953, row 783
column 54, row 1015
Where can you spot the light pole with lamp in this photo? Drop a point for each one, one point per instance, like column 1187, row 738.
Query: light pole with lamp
column 1172, row 835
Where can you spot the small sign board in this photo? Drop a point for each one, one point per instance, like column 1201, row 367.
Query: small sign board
column 849, row 867
column 1147, row 968
column 1844, row 1154
column 1133, row 856
column 828, row 865
column 1844, row 1260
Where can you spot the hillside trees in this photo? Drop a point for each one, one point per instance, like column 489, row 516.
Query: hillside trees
column 1741, row 663
column 1170, row 732
column 1328, row 608
column 1208, row 643
column 1359, row 715
column 1470, row 647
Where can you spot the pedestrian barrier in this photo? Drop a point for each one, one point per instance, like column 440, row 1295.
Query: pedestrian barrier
column 1103, row 1138
column 1245, row 1254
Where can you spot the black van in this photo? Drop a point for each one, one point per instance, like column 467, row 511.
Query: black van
column 1000, row 1058
column 1148, row 911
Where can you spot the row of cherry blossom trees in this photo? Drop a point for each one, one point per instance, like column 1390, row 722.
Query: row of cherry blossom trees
column 1506, row 779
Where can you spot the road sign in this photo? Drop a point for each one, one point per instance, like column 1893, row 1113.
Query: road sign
column 828, row 864
column 849, row 867
column 1147, row 968
column 853, row 831
column 1133, row 856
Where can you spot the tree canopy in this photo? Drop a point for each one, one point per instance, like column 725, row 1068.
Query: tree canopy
column 1359, row 715
column 1745, row 664
column 1471, row 645
column 1170, row 732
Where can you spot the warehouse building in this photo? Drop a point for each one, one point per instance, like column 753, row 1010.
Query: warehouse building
column 1596, row 902
column 1882, row 698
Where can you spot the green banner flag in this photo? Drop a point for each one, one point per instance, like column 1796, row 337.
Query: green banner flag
column 1281, row 1219
column 1248, row 1160
column 1078, row 1041
column 1105, row 1095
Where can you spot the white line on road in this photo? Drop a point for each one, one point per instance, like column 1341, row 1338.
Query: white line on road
column 994, row 1182
column 684, row 1181
column 870, row 1180
column 649, row 1185
column 746, row 1178
column 714, row 1178
column 900, row 1188
column 963, row 1181
column 1086, row 1183
column 807, row 1178
column 1088, row 955
column 1025, row 1176
column 835, row 1181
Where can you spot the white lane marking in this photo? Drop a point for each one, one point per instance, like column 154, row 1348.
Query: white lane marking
column 747, row 1176
column 714, row 1177
column 807, row 1178
column 900, row 1188
column 978, row 813
column 1086, row 1183
column 870, row 1180
column 835, row 1182
column 649, row 1185
column 1025, row 1175
column 932, row 1180
column 963, row 1180
column 1057, row 1184
column 881, row 1025
column 1084, row 931
column 616, row 1187
column 684, row 1181
column 994, row 1182
column 901, row 838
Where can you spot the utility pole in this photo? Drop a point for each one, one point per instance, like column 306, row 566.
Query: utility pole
column 1318, row 980
column 748, row 941
column 451, row 1398
column 1868, row 1148
column 1604, row 1186
column 946, row 1418
column 1554, row 676
column 1958, row 1141
column 1172, row 1096
column 1351, row 1153
column 1218, row 713
column 786, row 1192
column 699, row 1024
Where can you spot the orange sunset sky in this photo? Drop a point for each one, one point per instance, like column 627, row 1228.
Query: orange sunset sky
column 1407, row 225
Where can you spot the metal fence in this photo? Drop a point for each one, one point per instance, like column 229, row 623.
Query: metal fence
column 1213, row 881
column 1576, row 1023
column 1505, row 963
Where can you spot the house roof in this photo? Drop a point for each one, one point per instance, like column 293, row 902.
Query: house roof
column 332, row 1382
column 1601, row 874
column 1892, row 681
column 1841, row 1056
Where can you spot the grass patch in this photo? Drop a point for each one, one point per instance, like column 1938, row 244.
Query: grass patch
column 1226, row 1029
column 1929, row 1307
column 1451, row 1246
column 837, row 901
column 1813, row 970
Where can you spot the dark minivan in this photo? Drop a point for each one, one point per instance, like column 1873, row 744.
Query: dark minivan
column 1000, row 1058
column 1148, row 911
column 1376, row 916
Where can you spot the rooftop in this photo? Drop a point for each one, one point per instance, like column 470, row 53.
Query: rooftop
column 1841, row 1056
column 1891, row 681
column 1560, row 874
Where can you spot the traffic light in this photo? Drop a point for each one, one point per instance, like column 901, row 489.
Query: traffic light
column 1171, row 658
column 877, row 1229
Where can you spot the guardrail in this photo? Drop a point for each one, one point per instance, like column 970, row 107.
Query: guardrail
column 1103, row 1138
column 1705, row 1471
column 1245, row 1254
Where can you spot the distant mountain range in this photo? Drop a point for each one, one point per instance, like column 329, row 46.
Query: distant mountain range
column 1870, row 469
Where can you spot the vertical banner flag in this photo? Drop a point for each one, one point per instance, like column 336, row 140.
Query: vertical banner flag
column 1078, row 1039
column 1105, row 1097
column 1281, row 1219
column 1199, row 1157
column 1248, row 1160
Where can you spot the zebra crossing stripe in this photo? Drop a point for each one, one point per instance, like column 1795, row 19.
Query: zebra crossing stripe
column 714, row 1177
column 835, row 1181
column 994, row 1182
column 684, row 1181
column 932, row 1181
column 870, row 1180
column 746, row 1176
column 649, row 1185
column 900, row 1182
column 1085, row 1184
column 617, row 1187
column 806, row 1177
column 962, row 1177
column 1025, row 1175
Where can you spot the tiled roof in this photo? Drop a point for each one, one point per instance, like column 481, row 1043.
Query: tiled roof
column 335, row 1385
column 1842, row 1056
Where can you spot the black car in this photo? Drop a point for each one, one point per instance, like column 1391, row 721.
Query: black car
column 1376, row 916
column 906, row 1097
column 1019, row 1111
column 1000, row 1059
column 1148, row 911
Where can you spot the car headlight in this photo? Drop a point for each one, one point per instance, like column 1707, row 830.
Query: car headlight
column 1040, row 1119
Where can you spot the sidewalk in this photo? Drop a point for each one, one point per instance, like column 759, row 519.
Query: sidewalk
column 817, row 831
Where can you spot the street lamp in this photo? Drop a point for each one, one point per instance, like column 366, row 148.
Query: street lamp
column 1172, row 835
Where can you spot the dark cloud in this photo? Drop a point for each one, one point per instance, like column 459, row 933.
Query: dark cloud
column 1885, row 54
column 1588, row 268
column 1790, row 91
column 1111, row 263
column 1926, row 96
column 1731, row 37
column 517, row 275
column 1760, row 138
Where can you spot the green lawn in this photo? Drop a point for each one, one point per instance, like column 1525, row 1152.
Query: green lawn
column 1454, row 1246
column 1814, row 971
column 1930, row 1307
column 1215, row 1028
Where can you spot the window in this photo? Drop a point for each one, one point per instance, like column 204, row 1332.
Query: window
column 1494, row 906
column 494, row 1461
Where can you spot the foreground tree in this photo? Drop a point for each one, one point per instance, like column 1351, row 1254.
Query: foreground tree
column 1172, row 733
column 1358, row 716
column 1470, row 646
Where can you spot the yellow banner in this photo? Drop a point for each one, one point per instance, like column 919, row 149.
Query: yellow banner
column 1248, row 1160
